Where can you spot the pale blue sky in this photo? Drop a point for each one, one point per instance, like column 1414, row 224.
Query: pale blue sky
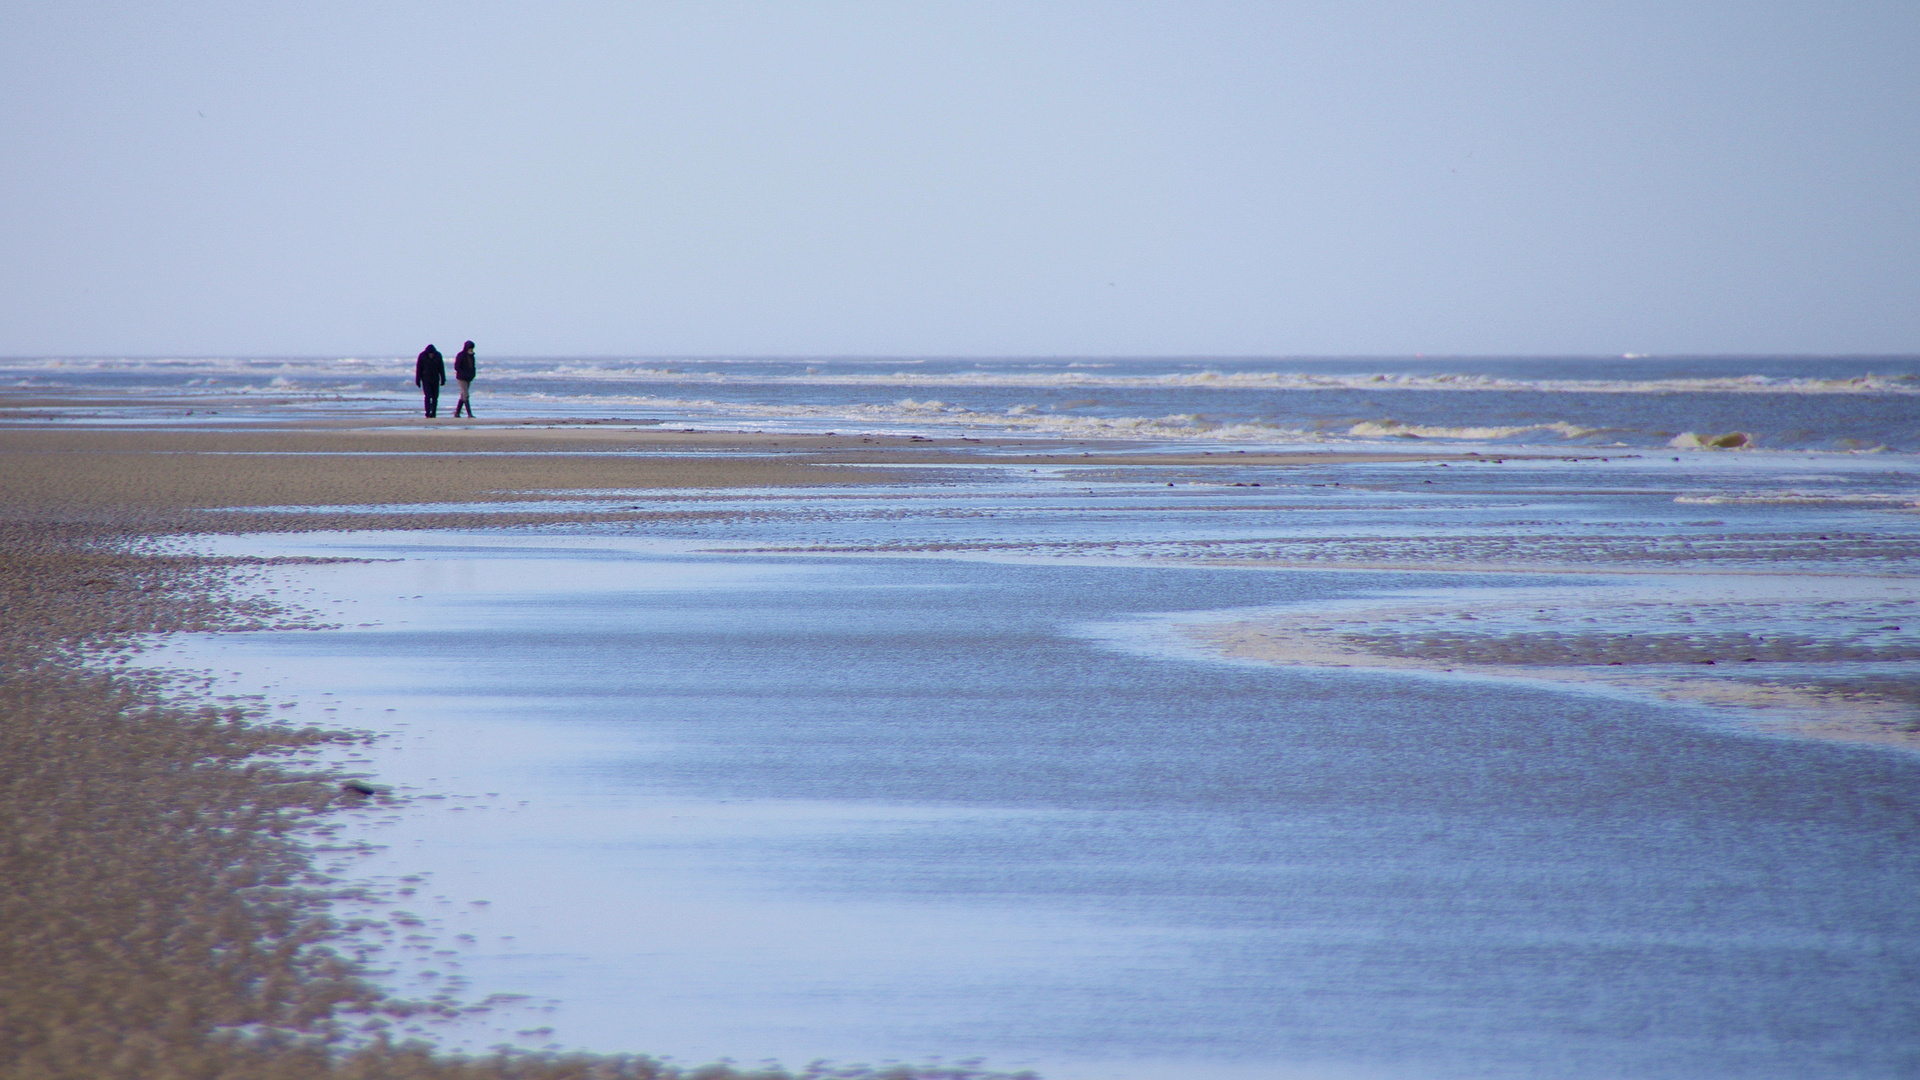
column 960, row 178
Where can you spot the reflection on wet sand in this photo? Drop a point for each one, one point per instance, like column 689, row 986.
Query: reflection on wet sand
column 1021, row 840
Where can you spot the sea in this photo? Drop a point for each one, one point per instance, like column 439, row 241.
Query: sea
column 1044, row 766
column 1833, row 404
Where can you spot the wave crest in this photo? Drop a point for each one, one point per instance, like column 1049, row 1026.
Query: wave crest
column 1396, row 429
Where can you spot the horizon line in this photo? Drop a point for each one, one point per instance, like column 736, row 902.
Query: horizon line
column 1200, row 357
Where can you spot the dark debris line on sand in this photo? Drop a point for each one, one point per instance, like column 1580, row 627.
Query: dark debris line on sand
column 160, row 916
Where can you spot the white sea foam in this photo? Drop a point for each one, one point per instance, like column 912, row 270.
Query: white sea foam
column 1732, row 440
column 1396, row 429
column 1160, row 400
column 935, row 413
column 904, row 373
column 1796, row 497
column 1251, row 380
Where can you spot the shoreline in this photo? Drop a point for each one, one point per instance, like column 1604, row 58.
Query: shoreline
column 148, row 480
column 81, row 513
column 171, row 477
column 171, row 832
column 237, row 467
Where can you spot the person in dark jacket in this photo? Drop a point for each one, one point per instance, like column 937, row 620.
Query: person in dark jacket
column 463, row 368
column 430, row 374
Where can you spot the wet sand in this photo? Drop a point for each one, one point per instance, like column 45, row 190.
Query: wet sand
column 164, row 915
column 162, row 895
column 161, row 900
column 63, row 471
column 1720, row 647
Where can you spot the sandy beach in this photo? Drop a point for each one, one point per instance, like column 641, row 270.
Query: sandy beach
column 163, row 829
column 171, row 919
column 162, row 916
column 959, row 542
column 165, row 469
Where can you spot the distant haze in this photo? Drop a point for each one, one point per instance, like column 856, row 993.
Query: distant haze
column 967, row 178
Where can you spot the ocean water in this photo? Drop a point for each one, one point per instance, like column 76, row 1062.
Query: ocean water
column 946, row 767
column 1778, row 403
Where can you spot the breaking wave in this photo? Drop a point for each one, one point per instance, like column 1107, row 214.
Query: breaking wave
column 1732, row 440
column 934, row 413
column 1241, row 381
column 1233, row 401
column 1396, row 429
column 901, row 374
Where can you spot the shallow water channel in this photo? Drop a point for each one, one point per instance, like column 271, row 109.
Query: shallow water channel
column 869, row 808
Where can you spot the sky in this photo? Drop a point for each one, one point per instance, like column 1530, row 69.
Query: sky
column 973, row 178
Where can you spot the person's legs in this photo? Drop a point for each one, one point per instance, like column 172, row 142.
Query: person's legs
column 463, row 403
column 433, row 400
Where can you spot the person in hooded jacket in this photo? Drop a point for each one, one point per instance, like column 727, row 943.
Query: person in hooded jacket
column 430, row 374
column 463, row 368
